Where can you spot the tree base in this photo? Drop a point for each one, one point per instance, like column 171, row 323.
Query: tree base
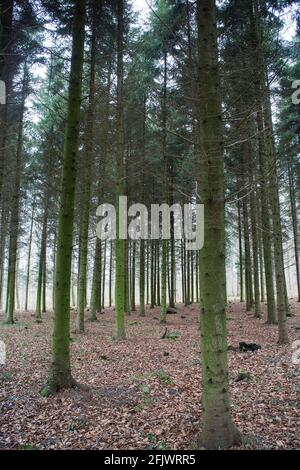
column 93, row 319
column 56, row 384
column 119, row 336
column 217, row 441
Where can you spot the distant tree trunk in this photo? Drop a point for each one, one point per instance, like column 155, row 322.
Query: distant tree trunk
column 54, row 269
column 96, row 283
column 152, row 272
column 42, row 261
column 261, row 266
column 182, row 271
column 266, row 227
column 3, row 237
column 172, row 270
column 277, row 227
column 218, row 428
column 248, row 264
column 44, row 290
column 142, row 278
column 110, row 273
column 104, row 276
column 263, row 165
column 188, row 277
column 197, row 277
column 60, row 372
column 192, row 277
column 163, row 314
column 241, row 264
column 17, row 287
column 295, row 225
column 127, row 297
column 157, row 270
column 133, row 261
column 253, row 210
column 29, row 257
column 148, row 273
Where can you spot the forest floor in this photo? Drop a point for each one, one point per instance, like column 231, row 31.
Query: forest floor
column 144, row 393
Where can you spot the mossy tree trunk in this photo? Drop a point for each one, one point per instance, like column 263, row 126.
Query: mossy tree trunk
column 219, row 430
column 165, row 164
column 120, row 244
column 60, row 372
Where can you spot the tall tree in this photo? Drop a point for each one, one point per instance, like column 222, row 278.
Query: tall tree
column 60, row 372
column 120, row 243
column 219, row 430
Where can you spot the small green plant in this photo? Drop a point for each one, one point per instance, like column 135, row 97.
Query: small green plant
column 147, row 401
column 81, row 422
column 243, row 376
column 162, row 446
column 145, row 389
column 164, row 377
column 6, row 377
column 172, row 336
column 70, row 427
column 26, row 447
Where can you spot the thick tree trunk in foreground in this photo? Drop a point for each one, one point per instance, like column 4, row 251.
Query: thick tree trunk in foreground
column 60, row 372
column 219, row 430
column 120, row 244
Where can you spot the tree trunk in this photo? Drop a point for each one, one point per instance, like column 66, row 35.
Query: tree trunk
column 60, row 372
column 15, row 210
column 295, row 225
column 86, row 197
column 218, row 428
column 120, row 245
column 241, row 264
column 42, row 261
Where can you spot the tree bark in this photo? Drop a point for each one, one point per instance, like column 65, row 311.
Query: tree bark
column 60, row 372
column 218, row 428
